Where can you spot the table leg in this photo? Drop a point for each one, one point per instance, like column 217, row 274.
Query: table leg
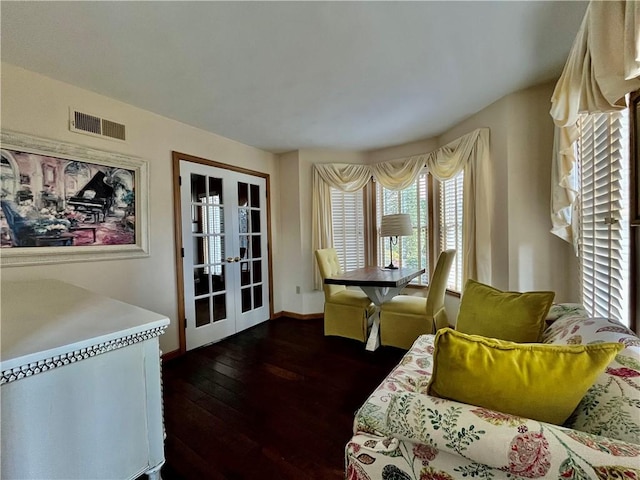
column 373, row 342
column 378, row 295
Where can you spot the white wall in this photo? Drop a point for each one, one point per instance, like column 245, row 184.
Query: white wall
column 525, row 255
column 289, row 231
column 538, row 260
column 401, row 151
column 38, row 105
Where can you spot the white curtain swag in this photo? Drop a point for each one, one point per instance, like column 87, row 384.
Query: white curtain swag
column 346, row 177
column 603, row 66
column 398, row 174
column 470, row 151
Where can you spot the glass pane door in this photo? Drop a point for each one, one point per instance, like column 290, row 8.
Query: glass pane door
column 205, row 214
column 225, row 262
column 207, row 208
column 250, row 246
column 252, row 242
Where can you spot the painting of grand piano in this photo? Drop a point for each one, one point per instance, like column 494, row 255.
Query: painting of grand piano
column 55, row 200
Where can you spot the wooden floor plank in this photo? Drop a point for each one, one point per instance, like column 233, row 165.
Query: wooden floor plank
column 273, row 402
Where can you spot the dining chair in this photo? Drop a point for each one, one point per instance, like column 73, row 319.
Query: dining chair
column 346, row 312
column 404, row 318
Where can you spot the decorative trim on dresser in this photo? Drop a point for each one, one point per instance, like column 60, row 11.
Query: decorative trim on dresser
column 29, row 369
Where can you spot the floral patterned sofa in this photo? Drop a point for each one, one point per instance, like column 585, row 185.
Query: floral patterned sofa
column 401, row 433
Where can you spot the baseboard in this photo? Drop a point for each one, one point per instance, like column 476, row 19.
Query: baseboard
column 298, row 316
column 171, row 355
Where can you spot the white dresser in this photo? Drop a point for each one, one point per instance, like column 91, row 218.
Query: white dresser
column 80, row 388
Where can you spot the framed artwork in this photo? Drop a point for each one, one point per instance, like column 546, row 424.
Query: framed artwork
column 634, row 134
column 63, row 202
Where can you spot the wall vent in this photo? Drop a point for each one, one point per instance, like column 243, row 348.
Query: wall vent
column 88, row 124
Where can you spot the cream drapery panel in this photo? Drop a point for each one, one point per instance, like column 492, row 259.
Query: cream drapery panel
column 603, row 66
column 346, row 177
column 470, row 151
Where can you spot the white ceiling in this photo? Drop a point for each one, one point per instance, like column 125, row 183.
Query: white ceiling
column 288, row 75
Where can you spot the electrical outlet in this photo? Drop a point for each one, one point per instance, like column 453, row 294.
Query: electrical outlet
column 298, row 289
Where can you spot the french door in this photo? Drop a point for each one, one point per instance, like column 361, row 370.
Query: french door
column 225, row 259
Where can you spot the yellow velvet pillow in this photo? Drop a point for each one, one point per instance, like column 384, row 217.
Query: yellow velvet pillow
column 537, row 381
column 512, row 316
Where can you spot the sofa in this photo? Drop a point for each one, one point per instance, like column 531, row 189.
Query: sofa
column 402, row 433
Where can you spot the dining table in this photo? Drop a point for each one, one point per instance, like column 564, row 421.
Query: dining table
column 380, row 284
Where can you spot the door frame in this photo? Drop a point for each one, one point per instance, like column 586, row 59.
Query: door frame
column 177, row 218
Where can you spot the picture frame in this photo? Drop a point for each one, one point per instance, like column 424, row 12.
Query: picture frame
column 63, row 202
column 634, row 136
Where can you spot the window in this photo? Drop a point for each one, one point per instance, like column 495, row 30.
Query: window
column 348, row 228
column 410, row 251
column 350, row 236
column 450, row 213
column 602, row 152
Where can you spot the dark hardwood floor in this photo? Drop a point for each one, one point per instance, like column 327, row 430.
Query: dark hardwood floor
column 274, row 402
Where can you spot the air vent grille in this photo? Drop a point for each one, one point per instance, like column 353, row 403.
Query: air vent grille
column 112, row 129
column 87, row 123
column 92, row 125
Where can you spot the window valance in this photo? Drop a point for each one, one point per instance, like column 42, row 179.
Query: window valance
column 603, row 66
column 346, row 177
column 470, row 151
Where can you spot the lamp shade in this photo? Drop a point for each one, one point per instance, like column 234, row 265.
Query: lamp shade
column 397, row 225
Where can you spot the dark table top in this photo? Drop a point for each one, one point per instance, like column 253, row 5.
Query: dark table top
column 375, row 277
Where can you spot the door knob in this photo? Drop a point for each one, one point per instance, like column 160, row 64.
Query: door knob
column 237, row 259
column 230, row 260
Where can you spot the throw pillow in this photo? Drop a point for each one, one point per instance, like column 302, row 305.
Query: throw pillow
column 512, row 316
column 537, row 381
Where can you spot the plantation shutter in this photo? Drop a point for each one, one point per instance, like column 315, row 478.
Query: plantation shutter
column 348, row 228
column 604, row 228
column 451, row 226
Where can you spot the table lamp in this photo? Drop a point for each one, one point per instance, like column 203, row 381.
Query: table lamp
column 396, row 225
